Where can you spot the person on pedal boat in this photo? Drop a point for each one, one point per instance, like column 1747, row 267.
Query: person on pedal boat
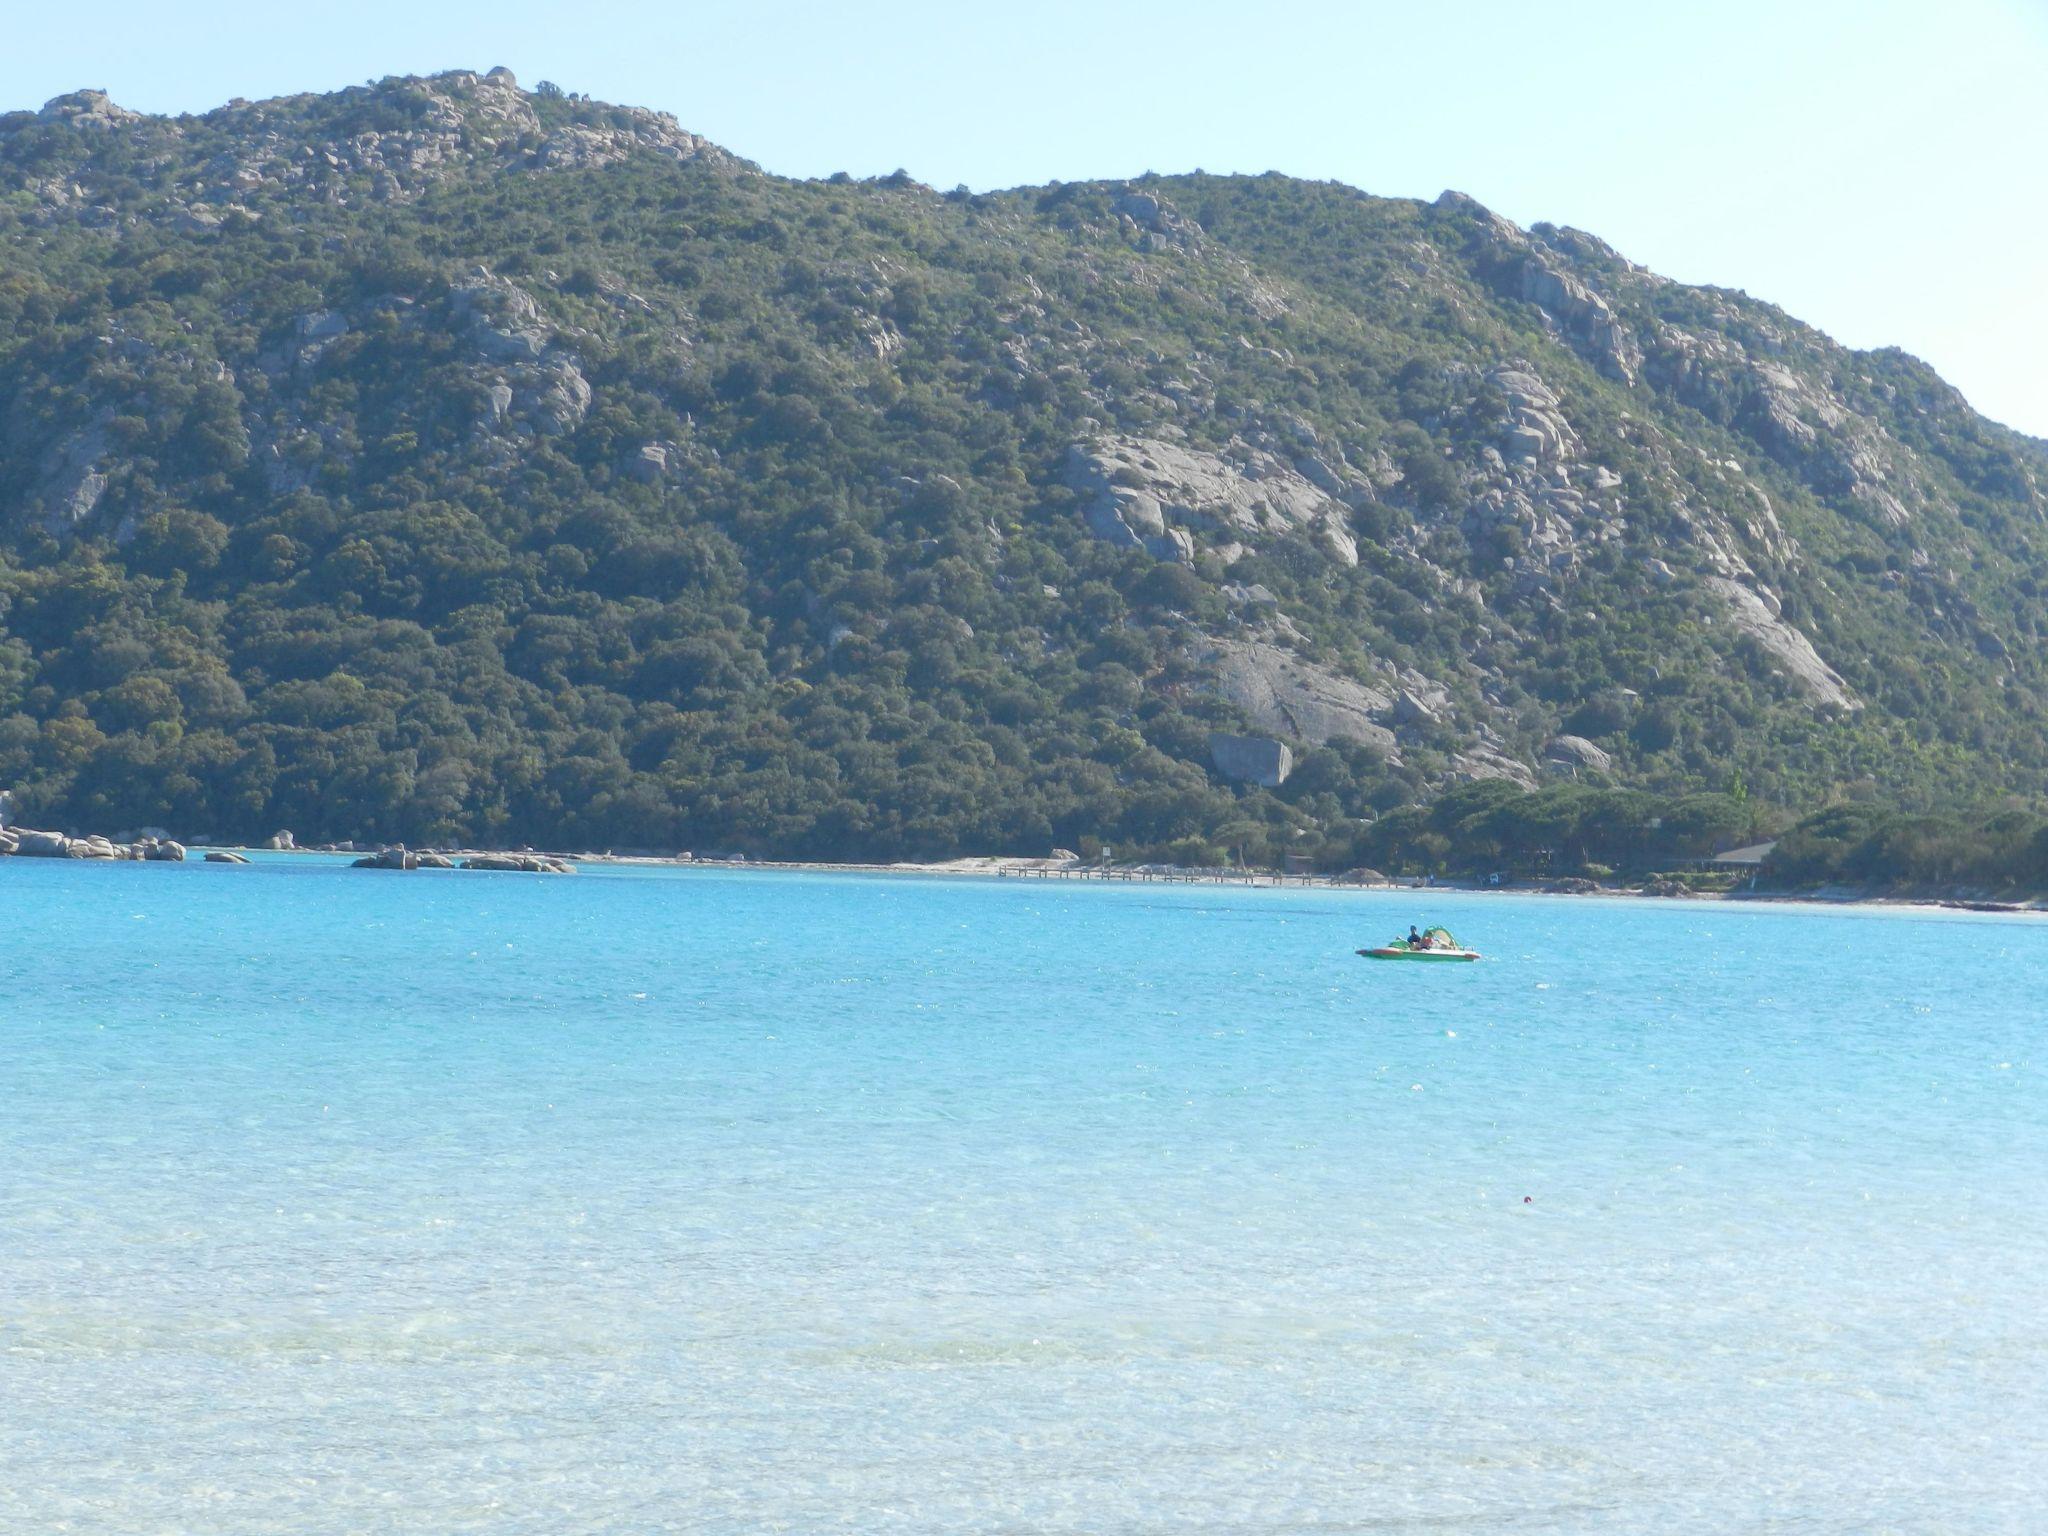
column 1416, row 940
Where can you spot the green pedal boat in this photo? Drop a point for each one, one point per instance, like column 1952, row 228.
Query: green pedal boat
column 1437, row 944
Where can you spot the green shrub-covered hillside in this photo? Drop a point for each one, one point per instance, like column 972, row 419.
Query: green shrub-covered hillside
column 444, row 461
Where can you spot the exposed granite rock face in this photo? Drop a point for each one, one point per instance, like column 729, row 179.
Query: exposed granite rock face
column 539, row 387
column 1526, row 266
column 492, row 109
column 650, row 465
column 1149, row 493
column 1251, row 759
column 87, row 109
column 1485, row 762
column 1159, row 222
column 1411, row 709
column 72, row 477
column 1538, row 431
column 1583, row 315
column 1841, row 453
column 1540, row 496
column 562, row 400
column 391, row 141
column 322, row 325
column 1575, row 752
column 1735, row 363
column 1280, row 692
column 1786, row 645
column 502, row 319
column 1535, row 494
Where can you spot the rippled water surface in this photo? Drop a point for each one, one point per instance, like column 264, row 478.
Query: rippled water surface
column 338, row 1200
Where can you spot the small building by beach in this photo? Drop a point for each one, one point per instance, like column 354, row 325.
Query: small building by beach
column 1742, row 859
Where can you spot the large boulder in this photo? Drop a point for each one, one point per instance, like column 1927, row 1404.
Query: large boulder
column 1251, row 759
column 1485, row 762
column 281, row 841
column 395, row 857
column 223, row 856
column 650, row 465
column 1574, row 753
column 41, row 845
column 1410, row 708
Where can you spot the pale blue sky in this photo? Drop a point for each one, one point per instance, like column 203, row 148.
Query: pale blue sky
column 1874, row 167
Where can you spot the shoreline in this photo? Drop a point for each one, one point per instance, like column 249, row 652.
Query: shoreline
column 1005, row 867
column 996, row 866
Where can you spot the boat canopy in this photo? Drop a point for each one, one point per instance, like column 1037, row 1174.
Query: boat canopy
column 1432, row 938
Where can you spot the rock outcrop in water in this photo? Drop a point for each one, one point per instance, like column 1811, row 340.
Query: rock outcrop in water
column 31, row 843
column 519, row 863
column 400, row 857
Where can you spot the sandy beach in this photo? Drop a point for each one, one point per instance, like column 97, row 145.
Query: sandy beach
column 1003, row 867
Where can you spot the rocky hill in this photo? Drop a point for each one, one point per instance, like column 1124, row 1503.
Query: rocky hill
column 448, row 461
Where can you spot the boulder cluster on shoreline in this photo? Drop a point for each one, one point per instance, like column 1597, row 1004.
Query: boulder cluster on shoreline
column 523, row 863
column 398, row 856
column 27, row 843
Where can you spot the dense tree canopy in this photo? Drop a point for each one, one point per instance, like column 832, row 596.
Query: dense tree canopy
column 440, row 462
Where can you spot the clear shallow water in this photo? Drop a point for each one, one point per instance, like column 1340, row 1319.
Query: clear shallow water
column 337, row 1200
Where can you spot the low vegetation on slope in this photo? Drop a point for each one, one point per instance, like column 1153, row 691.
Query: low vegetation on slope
column 444, row 461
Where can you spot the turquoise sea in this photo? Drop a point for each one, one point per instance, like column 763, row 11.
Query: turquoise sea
column 645, row 1201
